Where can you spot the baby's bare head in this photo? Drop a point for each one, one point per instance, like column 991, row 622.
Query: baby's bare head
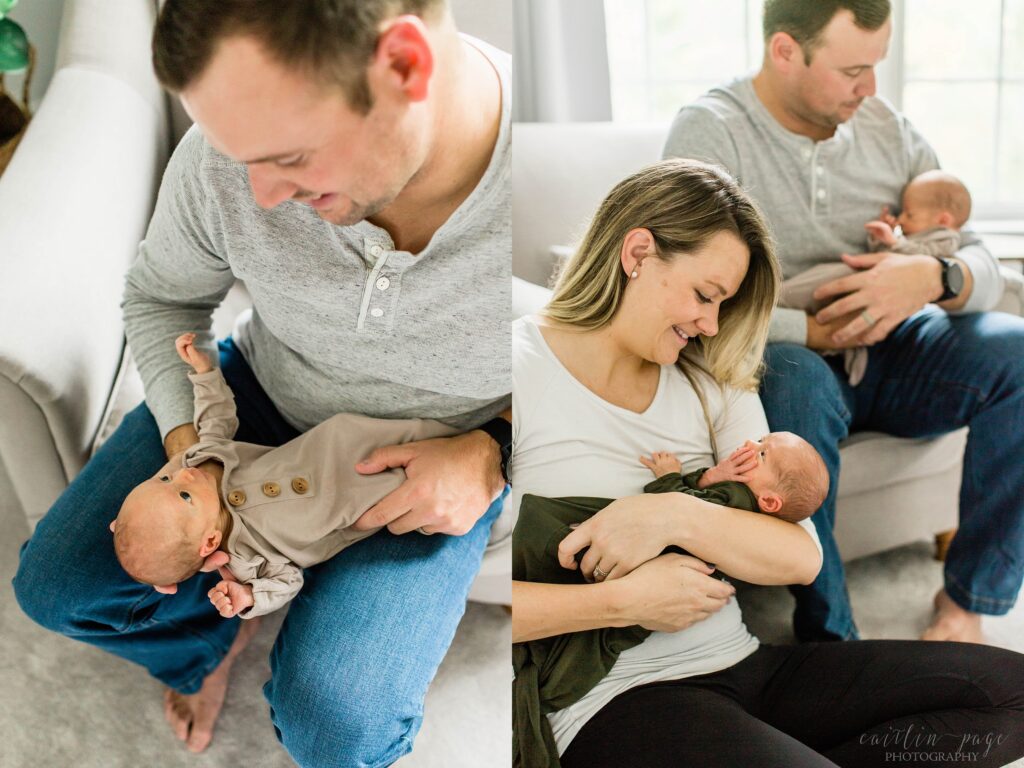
column 152, row 540
column 934, row 199
column 801, row 476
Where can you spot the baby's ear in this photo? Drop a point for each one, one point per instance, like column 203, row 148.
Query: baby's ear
column 945, row 219
column 210, row 544
column 770, row 502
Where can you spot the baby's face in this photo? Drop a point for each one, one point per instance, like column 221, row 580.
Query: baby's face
column 184, row 499
column 763, row 478
column 917, row 216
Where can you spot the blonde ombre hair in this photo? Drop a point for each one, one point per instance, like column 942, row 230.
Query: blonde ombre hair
column 682, row 203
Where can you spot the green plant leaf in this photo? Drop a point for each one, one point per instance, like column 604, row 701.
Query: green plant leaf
column 13, row 46
column 6, row 6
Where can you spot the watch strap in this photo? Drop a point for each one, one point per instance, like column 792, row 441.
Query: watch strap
column 500, row 431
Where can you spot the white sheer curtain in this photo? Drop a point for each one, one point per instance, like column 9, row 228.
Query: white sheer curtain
column 561, row 62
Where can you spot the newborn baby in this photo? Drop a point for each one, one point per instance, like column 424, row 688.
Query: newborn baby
column 276, row 510
column 935, row 205
column 781, row 475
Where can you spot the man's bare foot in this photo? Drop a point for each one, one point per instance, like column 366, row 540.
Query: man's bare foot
column 192, row 716
column 951, row 622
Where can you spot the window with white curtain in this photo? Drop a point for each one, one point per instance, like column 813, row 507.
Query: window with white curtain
column 955, row 68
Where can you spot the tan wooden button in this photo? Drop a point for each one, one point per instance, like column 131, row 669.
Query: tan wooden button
column 271, row 489
column 236, row 497
column 300, row 485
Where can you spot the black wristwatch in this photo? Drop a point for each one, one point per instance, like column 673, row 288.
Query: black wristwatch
column 501, row 432
column 952, row 279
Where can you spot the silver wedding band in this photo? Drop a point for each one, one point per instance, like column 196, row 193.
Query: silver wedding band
column 425, row 533
column 868, row 318
column 599, row 574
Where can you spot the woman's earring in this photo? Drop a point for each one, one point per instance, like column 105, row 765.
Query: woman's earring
column 633, row 273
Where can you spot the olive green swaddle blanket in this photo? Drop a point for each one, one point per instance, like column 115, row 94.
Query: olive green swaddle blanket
column 554, row 672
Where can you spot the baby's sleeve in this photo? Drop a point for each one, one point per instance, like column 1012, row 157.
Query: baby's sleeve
column 276, row 584
column 214, row 405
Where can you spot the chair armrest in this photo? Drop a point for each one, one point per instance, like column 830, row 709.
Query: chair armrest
column 1013, row 292
column 74, row 204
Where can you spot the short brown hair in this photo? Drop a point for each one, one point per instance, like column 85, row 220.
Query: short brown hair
column 805, row 20
column 333, row 40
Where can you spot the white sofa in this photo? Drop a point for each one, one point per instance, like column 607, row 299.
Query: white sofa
column 891, row 490
column 74, row 205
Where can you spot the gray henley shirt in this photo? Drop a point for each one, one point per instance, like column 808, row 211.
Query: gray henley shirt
column 817, row 195
column 341, row 321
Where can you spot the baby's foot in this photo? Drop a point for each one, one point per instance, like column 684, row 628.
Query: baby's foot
column 193, row 716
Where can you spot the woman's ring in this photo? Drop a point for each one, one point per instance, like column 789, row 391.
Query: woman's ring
column 599, row 574
column 868, row 318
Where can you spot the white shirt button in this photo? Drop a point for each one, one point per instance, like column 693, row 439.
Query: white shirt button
column 821, row 170
column 821, row 194
column 377, row 312
column 383, row 283
column 807, row 154
column 376, row 250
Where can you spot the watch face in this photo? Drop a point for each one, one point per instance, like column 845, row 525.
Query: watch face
column 955, row 278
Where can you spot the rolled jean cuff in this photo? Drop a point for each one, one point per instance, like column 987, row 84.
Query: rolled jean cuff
column 989, row 606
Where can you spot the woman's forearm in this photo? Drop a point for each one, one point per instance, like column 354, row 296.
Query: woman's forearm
column 754, row 547
column 543, row 610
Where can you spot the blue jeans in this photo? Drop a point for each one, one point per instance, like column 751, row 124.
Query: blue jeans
column 934, row 373
column 358, row 648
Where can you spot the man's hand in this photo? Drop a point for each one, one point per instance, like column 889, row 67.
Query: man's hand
column 450, row 483
column 732, row 469
column 820, row 335
column 882, row 232
column 185, row 344
column 230, row 597
column 888, row 289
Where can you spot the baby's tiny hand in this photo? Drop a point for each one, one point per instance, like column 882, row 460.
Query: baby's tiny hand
column 189, row 354
column 734, row 468
column 661, row 463
column 230, row 598
column 881, row 231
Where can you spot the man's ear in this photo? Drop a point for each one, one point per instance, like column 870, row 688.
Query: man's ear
column 404, row 59
column 784, row 52
column 769, row 502
column 112, row 524
column 210, row 543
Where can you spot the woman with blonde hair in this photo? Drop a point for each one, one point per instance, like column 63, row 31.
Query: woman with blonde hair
column 653, row 341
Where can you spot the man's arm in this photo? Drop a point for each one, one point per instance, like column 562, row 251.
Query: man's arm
column 174, row 286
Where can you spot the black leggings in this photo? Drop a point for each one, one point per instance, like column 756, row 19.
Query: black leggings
column 863, row 703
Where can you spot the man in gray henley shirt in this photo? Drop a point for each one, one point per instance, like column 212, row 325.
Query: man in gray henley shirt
column 350, row 164
column 808, row 139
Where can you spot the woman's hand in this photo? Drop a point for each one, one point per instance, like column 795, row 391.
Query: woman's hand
column 626, row 533
column 672, row 592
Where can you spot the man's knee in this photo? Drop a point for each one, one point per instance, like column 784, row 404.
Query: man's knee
column 359, row 724
column 38, row 590
column 798, row 380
